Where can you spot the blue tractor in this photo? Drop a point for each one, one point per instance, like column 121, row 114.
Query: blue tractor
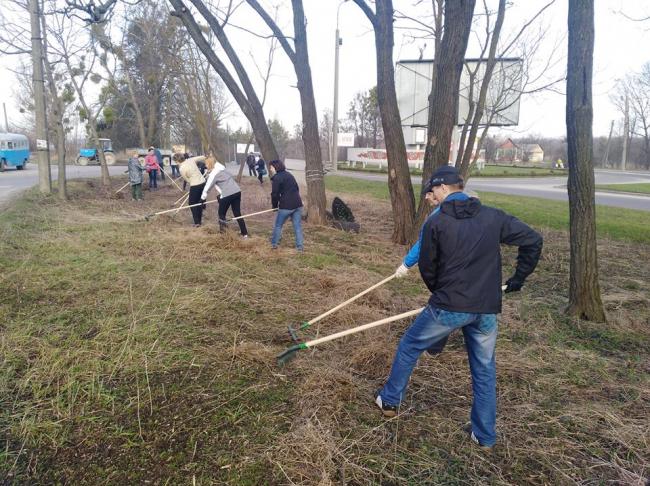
column 88, row 155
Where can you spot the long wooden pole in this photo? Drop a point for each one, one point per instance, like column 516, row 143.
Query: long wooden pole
column 350, row 300
column 364, row 327
column 251, row 214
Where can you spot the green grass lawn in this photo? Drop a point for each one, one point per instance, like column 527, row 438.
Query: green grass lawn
column 641, row 188
column 615, row 223
column 488, row 171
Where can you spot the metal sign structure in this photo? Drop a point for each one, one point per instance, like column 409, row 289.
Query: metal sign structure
column 413, row 85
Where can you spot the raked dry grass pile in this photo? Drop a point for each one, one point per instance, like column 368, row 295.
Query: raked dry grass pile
column 143, row 352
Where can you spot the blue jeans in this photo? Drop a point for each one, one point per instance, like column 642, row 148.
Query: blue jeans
column 480, row 333
column 153, row 179
column 296, row 220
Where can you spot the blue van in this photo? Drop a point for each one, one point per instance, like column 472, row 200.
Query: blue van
column 14, row 151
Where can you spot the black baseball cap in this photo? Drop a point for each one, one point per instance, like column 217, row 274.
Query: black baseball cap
column 446, row 174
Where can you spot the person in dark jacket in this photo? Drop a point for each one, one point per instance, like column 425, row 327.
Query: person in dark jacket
column 250, row 162
column 285, row 196
column 460, row 262
column 261, row 170
column 159, row 159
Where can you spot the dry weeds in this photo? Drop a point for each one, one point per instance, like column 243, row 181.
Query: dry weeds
column 144, row 351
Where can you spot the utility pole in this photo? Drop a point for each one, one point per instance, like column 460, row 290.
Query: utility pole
column 42, row 149
column 4, row 107
column 334, row 156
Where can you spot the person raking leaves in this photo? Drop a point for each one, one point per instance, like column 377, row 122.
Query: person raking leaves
column 460, row 262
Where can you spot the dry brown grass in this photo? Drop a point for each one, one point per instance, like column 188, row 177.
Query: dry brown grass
column 137, row 351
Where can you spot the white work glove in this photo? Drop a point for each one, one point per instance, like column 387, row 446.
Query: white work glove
column 401, row 271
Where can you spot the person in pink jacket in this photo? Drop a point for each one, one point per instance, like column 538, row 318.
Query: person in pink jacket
column 152, row 167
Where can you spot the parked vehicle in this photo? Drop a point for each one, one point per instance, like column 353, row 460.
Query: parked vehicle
column 14, row 151
column 88, row 155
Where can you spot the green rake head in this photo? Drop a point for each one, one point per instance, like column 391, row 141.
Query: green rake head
column 289, row 353
column 293, row 332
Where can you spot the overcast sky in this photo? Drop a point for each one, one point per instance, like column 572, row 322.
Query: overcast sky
column 621, row 47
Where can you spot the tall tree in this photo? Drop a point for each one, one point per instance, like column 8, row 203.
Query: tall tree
column 399, row 177
column 299, row 57
column 584, row 289
column 78, row 53
column 58, row 98
column 443, row 102
column 247, row 99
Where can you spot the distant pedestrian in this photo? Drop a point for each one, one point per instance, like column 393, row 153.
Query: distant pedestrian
column 250, row 161
column 152, row 167
column 174, row 166
column 261, row 170
column 229, row 195
column 135, row 176
column 192, row 175
column 285, row 195
column 161, row 162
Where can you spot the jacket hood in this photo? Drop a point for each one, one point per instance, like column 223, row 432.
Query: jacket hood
column 461, row 208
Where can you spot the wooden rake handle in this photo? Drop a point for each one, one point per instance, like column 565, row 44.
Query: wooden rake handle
column 350, row 300
column 251, row 214
column 364, row 327
column 182, row 207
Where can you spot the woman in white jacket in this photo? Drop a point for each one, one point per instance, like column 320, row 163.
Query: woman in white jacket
column 229, row 196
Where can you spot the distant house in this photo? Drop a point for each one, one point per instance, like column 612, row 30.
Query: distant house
column 526, row 154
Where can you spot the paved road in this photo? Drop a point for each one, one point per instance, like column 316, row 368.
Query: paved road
column 13, row 181
column 548, row 187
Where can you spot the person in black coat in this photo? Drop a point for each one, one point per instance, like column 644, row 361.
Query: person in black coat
column 460, row 263
column 261, row 170
column 285, row 195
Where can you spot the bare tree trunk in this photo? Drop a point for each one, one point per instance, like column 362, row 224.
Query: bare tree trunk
column 584, row 289
column 399, row 178
column 480, row 105
column 313, row 158
column 444, row 107
column 136, row 108
column 58, row 112
column 299, row 57
column 626, row 130
column 249, row 103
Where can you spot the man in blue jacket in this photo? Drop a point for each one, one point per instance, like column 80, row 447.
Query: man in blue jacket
column 460, row 262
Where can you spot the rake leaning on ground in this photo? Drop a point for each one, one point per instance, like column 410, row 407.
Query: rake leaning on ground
column 290, row 353
column 148, row 216
column 230, row 220
column 293, row 332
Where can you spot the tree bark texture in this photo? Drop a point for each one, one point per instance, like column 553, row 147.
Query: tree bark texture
column 248, row 103
column 444, row 112
column 58, row 112
column 399, row 178
column 584, row 290
column 299, row 57
column 314, row 174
